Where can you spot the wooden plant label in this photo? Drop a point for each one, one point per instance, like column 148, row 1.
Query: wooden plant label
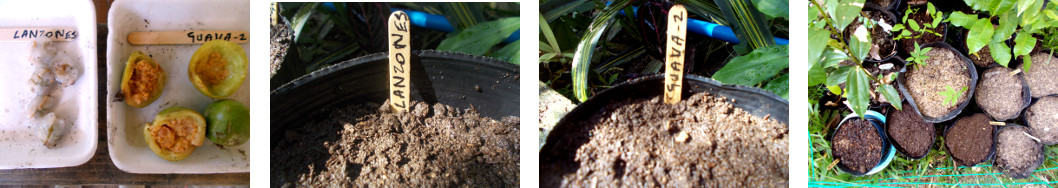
column 677, row 36
column 186, row 37
column 29, row 34
column 399, row 58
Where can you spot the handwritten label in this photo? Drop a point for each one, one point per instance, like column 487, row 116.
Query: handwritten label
column 399, row 60
column 186, row 37
column 677, row 38
column 29, row 34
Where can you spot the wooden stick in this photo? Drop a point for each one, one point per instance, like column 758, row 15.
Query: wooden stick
column 831, row 166
column 677, row 40
column 399, row 56
column 997, row 123
column 186, row 37
column 28, row 34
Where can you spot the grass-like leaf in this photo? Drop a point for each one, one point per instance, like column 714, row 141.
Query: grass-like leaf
column 757, row 66
column 748, row 24
column 478, row 39
column 508, row 53
column 586, row 47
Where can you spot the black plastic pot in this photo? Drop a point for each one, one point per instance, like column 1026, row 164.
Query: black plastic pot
column 898, row 66
column 900, row 149
column 437, row 77
column 891, row 16
column 891, row 7
column 1026, row 99
column 753, row 100
column 991, row 151
column 971, row 69
column 1040, row 157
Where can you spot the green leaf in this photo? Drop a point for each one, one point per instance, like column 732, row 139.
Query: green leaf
column 890, row 95
column 844, row 12
column 914, row 25
column 960, row 19
column 557, row 8
column 774, row 8
column 508, row 53
column 839, row 76
column 545, row 29
column 857, row 86
column 757, row 66
column 547, row 57
column 1024, row 5
column 748, row 24
column 980, row 35
column 480, row 38
column 1000, row 53
column 1008, row 24
column 1023, row 44
column 817, row 42
column 1026, row 63
column 860, row 43
column 936, row 20
column 463, row 15
column 816, row 74
column 1000, row 7
column 780, row 86
column 833, row 58
column 951, row 95
column 586, row 47
column 302, row 17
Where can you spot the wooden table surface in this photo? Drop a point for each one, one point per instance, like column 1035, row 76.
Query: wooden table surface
column 100, row 169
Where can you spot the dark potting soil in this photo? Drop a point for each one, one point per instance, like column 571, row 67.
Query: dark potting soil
column 370, row 145
column 911, row 134
column 922, row 17
column 883, row 44
column 969, row 141
column 857, row 145
column 1017, row 153
column 944, row 68
column 999, row 93
column 983, row 58
column 701, row 141
column 1042, row 119
column 1042, row 76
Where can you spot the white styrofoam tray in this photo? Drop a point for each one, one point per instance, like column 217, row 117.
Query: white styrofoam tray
column 125, row 123
column 19, row 143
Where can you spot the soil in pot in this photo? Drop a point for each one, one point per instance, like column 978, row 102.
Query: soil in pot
column 925, row 83
column 999, row 94
column 1017, row 152
column 883, row 44
column 1042, row 119
column 969, row 140
column 921, row 16
column 857, row 145
column 1042, row 76
column 983, row 58
column 370, row 145
column 702, row 140
column 911, row 135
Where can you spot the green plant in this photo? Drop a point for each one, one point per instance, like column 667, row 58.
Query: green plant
column 1025, row 17
column 911, row 29
column 951, row 95
column 826, row 54
column 586, row 45
column 918, row 57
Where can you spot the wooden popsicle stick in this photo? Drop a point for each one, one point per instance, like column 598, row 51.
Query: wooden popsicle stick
column 676, row 37
column 399, row 58
column 186, row 37
column 31, row 33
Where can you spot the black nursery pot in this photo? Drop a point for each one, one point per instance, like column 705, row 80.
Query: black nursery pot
column 891, row 17
column 971, row 69
column 1004, row 165
column 889, row 120
column 755, row 101
column 903, row 49
column 991, row 151
column 455, row 79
